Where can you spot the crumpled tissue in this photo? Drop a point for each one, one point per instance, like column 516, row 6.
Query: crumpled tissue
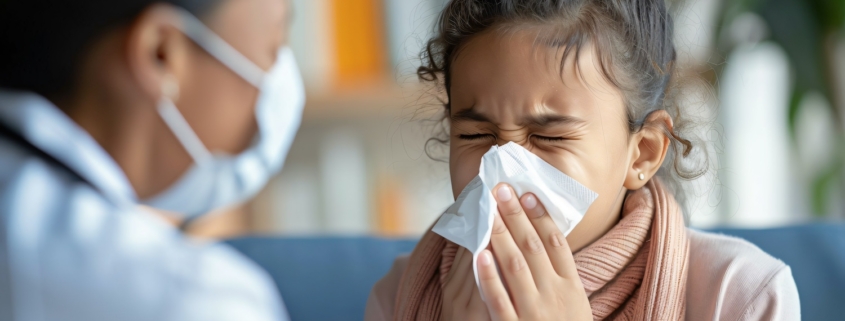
column 469, row 221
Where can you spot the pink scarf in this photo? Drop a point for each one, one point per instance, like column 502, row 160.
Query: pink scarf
column 637, row 271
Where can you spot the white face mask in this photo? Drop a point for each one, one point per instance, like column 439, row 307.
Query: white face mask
column 469, row 221
column 217, row 180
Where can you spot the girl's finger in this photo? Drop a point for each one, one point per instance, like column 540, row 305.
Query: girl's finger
column 523, row 234
column 517, row 277
column 555, row 243
column 515, row 271
column 496, row 297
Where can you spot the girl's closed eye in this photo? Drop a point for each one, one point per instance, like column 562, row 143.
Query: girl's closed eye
column 476, row 137
column 558, row 134
column 550, row 139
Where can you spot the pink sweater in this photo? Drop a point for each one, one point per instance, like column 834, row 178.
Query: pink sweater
column 728, row 279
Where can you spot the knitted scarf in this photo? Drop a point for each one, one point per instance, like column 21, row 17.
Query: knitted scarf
column 636, row 271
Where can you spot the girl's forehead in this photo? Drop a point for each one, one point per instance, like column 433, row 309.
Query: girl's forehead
column 513, row 69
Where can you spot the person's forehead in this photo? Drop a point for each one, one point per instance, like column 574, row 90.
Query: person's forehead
column 256, row 28
column 525, row 52
column 269, row 15
column 515, row 64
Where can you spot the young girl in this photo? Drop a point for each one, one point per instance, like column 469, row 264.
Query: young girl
column 589, row 86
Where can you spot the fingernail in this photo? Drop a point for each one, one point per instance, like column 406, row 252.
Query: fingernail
column 530, row 202
column 485, row 258
column 504, row 193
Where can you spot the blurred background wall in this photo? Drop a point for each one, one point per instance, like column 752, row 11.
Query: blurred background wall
column 771, row 78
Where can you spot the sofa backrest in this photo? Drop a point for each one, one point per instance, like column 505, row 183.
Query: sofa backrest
column 329, row 278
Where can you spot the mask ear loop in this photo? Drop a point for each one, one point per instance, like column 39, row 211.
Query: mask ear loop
column 177, row 123
column 218, row 48
column 181, row 129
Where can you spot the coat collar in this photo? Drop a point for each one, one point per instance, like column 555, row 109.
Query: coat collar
column 39, row 122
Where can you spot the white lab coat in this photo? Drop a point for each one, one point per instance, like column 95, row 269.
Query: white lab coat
column 73, row 246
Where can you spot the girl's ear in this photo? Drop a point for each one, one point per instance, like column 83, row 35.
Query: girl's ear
column 648, row 149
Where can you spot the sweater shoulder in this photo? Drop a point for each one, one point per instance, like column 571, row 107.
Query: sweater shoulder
column 727, row 276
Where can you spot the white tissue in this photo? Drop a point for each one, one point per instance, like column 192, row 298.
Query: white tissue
column 469, row 221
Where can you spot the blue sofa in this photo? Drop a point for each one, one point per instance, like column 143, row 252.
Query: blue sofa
column 329, row 278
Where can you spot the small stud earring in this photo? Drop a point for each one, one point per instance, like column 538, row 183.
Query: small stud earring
column 641, row 176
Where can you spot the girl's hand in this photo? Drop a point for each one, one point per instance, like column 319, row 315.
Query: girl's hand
column 461, row 299
column 536, row 263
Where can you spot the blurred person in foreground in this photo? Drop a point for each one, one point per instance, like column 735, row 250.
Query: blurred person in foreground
column 185, row 106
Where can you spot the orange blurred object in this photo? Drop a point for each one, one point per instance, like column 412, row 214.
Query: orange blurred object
column 360, row 49
column 390, row 212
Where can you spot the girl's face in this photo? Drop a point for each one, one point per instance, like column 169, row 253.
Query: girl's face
column 508, row 87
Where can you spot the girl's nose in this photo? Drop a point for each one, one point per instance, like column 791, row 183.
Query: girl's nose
column 519, row 138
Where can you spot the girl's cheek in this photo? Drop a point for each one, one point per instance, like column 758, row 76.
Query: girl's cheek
column 578, row 164
column 567, row 161
column 463, row 165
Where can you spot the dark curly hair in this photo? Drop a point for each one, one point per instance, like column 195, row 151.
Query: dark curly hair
column 634, row 43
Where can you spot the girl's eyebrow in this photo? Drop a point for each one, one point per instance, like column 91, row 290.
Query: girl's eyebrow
column 471, row 115
column 553, row 119
column 542, row 120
